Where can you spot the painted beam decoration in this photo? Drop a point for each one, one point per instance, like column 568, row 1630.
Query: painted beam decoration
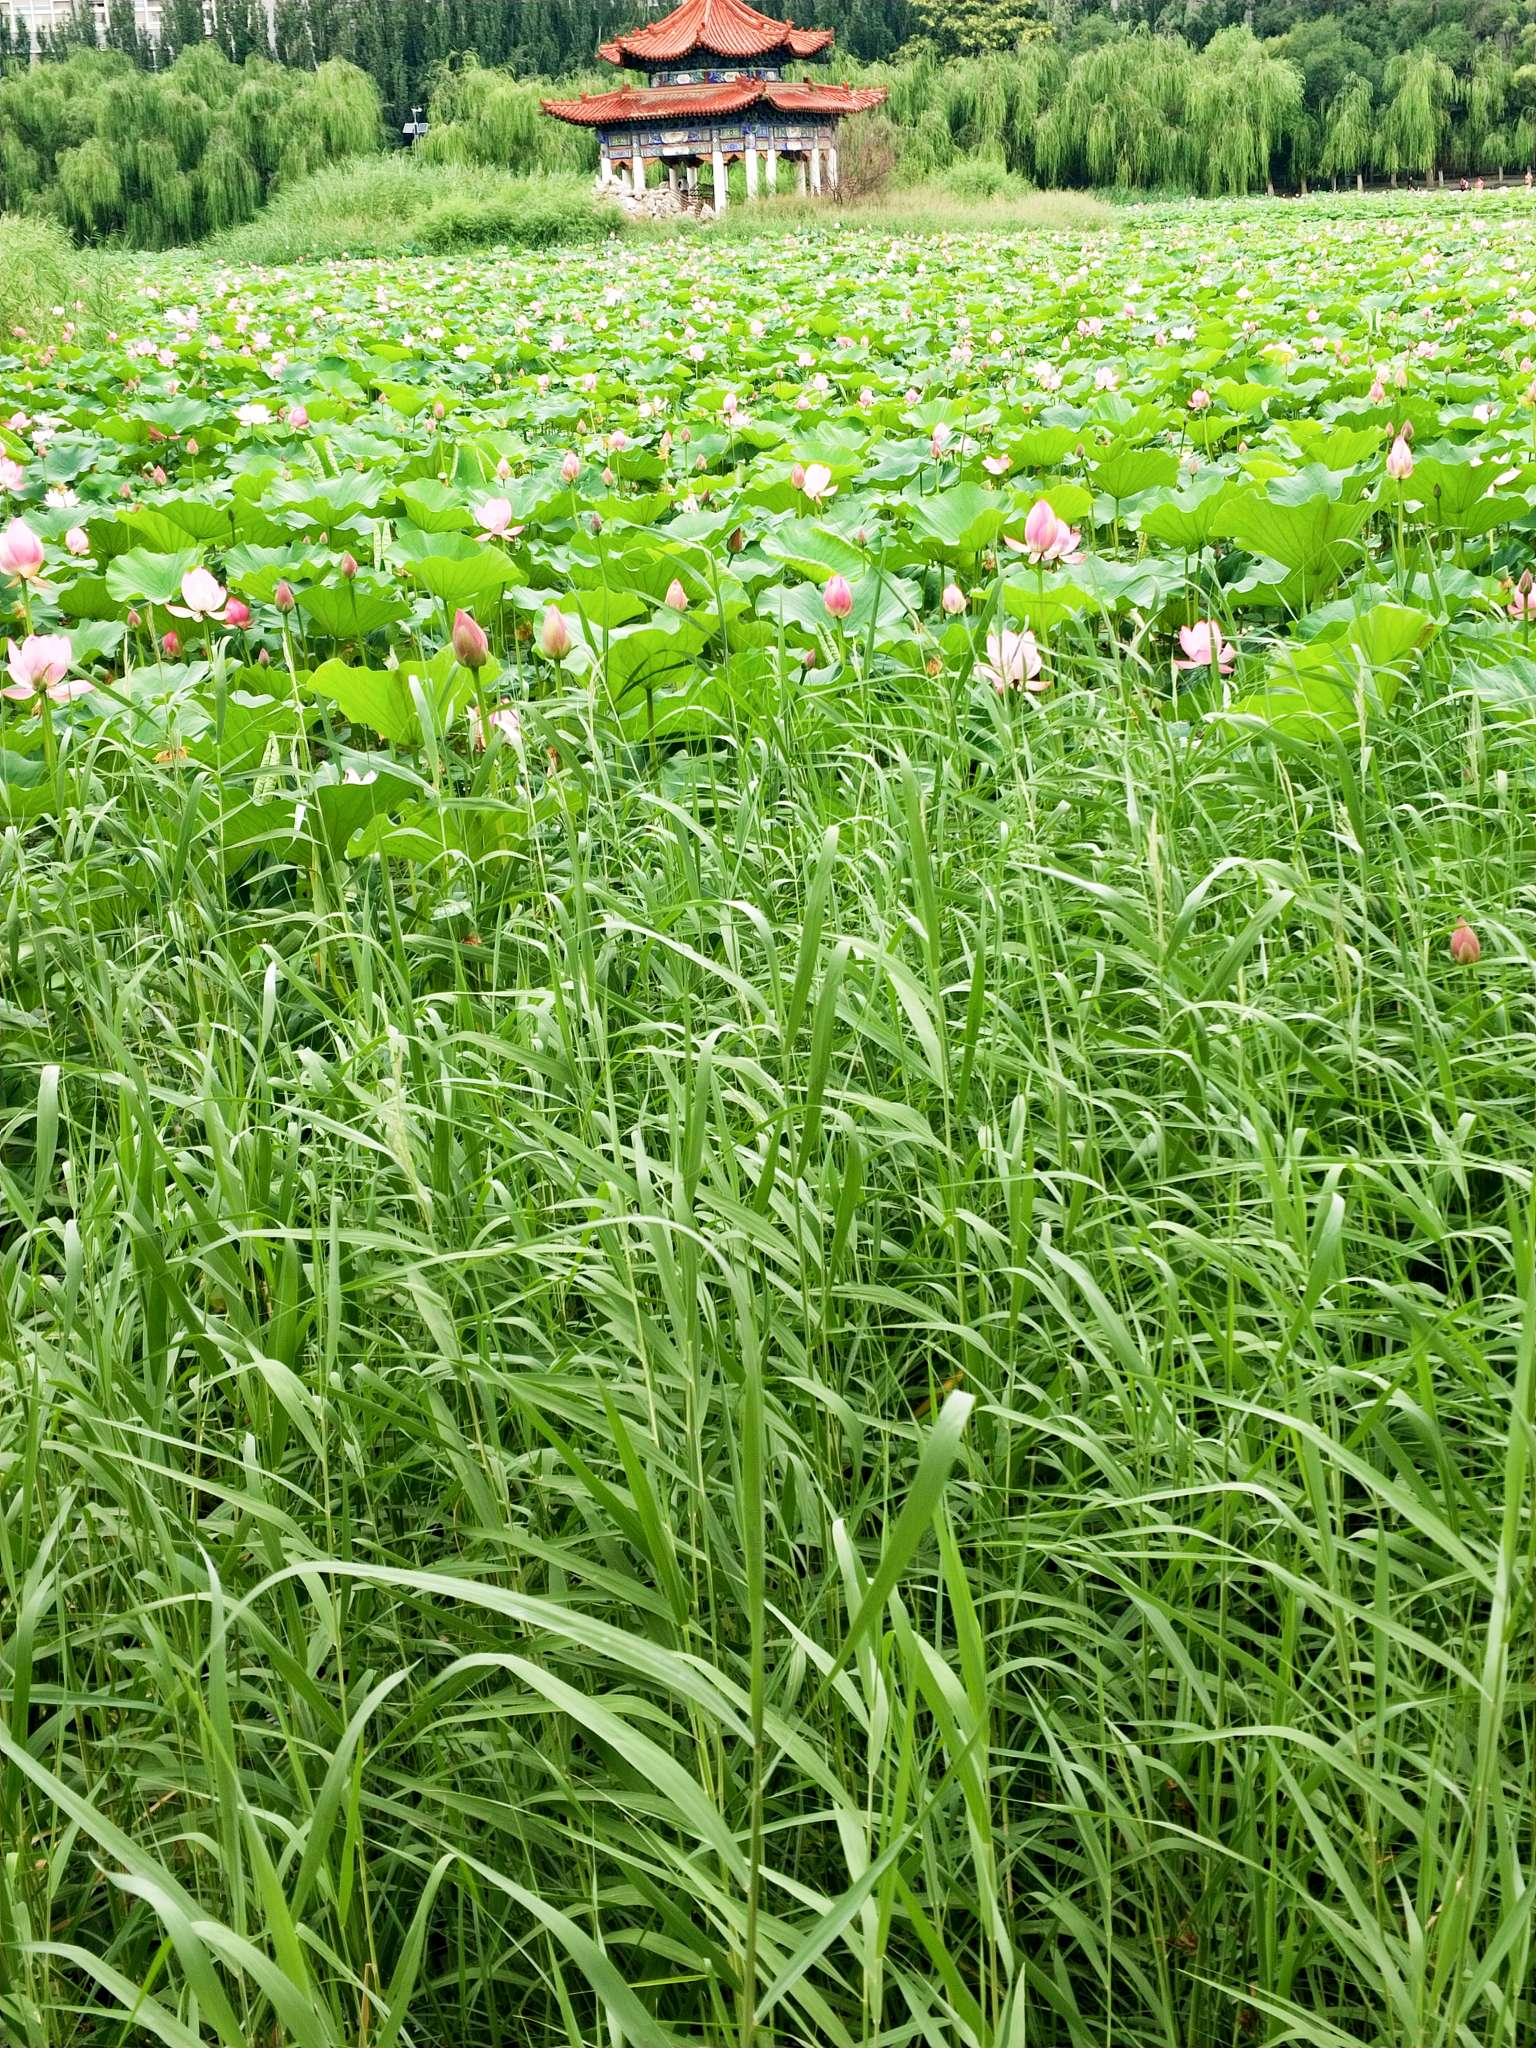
column 715, row 94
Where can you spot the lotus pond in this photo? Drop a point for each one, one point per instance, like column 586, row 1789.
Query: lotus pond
column 766, row 1143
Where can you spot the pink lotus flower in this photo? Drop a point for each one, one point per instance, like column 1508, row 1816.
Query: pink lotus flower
column 1047, row 538
column 997, row 465
column 1204, row 647
column 21, row 552
column 676, row 597
column 1378, row 391
column 237, row 613
column 1466, row 946
column 818, row 482
column 12, row 475
column 78, row 541
column 1013, row 662
column 495, row 520
column 1199, row 399
column 554, row 634
column 570, row 468
column 40, row 664
column 953, row 600
column 504, row 719
column 202, row 595
column 298, row 417
column 1400, row 460
column 838, row 597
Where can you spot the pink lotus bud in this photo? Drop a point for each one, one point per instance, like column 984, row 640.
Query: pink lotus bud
column 953, row 599
column 736, row 540
column 676, row 596
column 597, row 523
column 1400, row 460
column 157, row 474
column 191, row 447
column 503, row 470
column 133, row 618
column 237, row 613
column 570, row 469
column 470, row 645
column 438, row 409
column 282, row 597
column 298, row 417
column 78, row 541
column 608, row 478
column 1378, row 391
column 1466, row 946
column 838, row 597
column 171, row 644
column 21, row 552
column 685, row 435
column 348, row 566
column 1199, row 399
column 263, row 659
column 797, row 476
column 554, row 634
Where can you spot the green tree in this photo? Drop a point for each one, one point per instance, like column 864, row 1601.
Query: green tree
column 977, row 28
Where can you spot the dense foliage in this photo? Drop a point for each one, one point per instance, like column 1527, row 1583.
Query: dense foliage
column 767, row 1267
column 170, row 157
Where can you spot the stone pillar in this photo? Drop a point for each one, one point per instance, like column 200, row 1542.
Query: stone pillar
column 799, row 177
column 604, row 173
column 722, row 191
column 637, row 171
column 772, row 172
column 751, row 170
column 672, row 179
column 691, row 174
column 815, row 170
column 831, row 166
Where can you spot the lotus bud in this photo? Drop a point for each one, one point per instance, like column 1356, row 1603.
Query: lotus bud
column 953, row 599
column 282, row 597
column 685, row 435
column 157, row 474
column 171, row 644
column 263, row 659
column 439, row 410
column 797, row 476
column 554, row 634
column 21, row 552
column 503, row 470
column 676, row 596
column 348, row 566
column 133, row 618
column 608, row 478
column 1466, row 946
column 838, row 597
column 237, row 613
column 470, row 645
column 570, row 469
column 737, row 540
column 298, row 417
column 191, row 447
column 1400, row 460
column 78, row 541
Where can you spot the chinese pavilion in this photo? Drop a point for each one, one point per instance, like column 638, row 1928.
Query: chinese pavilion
column 714, row 93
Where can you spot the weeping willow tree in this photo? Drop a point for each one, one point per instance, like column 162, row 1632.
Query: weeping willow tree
column 1418, row 114
column 160, row 159
column 1480, row 139
column 480, row 116
column 1119, row 116
column 1349, row 131
column 1243, row 105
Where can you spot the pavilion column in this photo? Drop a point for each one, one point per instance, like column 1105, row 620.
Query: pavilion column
column 751, row 170
column 691, row 175
column 604, row 173
column 672, row 179
column 800, row 177
column 722, row 195
column 816, row 170
column 637, row 171
column 771, row 168
column 831, row 166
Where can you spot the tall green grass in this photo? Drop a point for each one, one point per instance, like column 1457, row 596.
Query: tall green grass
column 880, row 1392
column 398, row 205
column 47, row 284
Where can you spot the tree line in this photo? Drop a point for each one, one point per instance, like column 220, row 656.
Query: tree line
column 1211, row 96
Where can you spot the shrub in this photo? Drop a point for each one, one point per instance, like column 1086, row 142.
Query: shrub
column 866, row 157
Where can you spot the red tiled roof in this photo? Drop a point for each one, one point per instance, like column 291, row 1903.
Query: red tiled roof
column 724, row 28
column 680, row 102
